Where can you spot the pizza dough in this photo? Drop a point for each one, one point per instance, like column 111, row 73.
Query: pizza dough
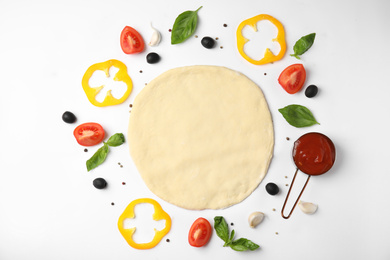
column 201, row 136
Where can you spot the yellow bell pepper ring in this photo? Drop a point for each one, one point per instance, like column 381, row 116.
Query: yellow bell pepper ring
column 159, row 214
column 121, row 75
column 268, row 55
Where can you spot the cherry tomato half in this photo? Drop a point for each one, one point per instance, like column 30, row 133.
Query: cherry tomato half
column 131, row 41
column 200, row 232
column 89, row 134
column 292, row 78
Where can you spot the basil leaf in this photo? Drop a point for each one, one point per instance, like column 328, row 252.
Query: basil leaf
column 221, row 228
column 227, row 243
column 116, row 140
column 184, row 26
column 303, row 44
column 243, row 244
column 231, row 236
column 298, row 116
column 98, row 158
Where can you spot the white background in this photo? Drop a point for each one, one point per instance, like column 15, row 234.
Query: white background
column 48, row 206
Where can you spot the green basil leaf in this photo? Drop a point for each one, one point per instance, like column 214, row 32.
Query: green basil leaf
column 231, row 236
column 227, row 243
column 98, row 157
column 243, row 244
column 298, row 116
column 303, row 44
column 221, row 228
column 184, row 26
column 116, row 140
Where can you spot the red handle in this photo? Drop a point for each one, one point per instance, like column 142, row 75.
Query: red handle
column 288, row 194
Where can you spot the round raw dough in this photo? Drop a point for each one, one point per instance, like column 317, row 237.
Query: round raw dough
column 201, row 136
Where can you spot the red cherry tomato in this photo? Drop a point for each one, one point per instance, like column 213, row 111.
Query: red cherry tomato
column 200, row 232
column 292, row 78
column 131, row 41
column 89, row 134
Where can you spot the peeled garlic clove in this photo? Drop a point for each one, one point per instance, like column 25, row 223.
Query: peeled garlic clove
column 255, row 219
column 307, row 207
column 156, row 37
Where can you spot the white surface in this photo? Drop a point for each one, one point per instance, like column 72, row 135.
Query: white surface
column 48, row 206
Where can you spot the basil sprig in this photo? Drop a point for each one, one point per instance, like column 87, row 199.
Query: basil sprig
column 298, row 116
column 184, row 26
column 303, row 44
column 241, row 244
column 100, row 155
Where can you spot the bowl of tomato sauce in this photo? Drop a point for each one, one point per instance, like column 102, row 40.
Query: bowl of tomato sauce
column 314, row 153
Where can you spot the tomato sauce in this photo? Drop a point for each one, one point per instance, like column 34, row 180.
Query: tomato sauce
column 314, row 153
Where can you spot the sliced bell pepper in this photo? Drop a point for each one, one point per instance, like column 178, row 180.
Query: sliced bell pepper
column 159, row 214
column 121, row 75
column 268, row 55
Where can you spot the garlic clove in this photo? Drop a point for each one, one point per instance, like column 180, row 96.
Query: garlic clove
column 156, row 37
column 307, row 207
column 255, row 219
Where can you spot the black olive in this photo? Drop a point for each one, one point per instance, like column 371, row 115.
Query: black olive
column 311, row 91
column 208, row 42
column 152, row 58
column 99, row 183
column 68, row 117
column 272, row 188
